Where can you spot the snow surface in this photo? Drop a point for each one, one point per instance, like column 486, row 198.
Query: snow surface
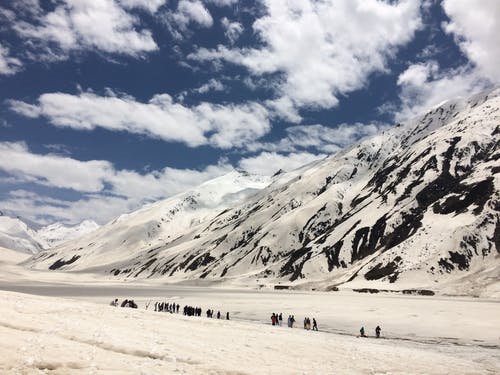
column 62, row 336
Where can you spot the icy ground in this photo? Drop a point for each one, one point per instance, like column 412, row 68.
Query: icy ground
column 41, row 332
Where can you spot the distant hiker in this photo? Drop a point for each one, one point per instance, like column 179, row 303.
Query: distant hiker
column 362, row 332
column 280, row 319
column 178, row 308
column 227, row 315
column 292, row 320
column 315, row 325
column 218, row 314
column 377, row 332
column 114, row 303
column 305, row 323
column 132, row 304
column 289, row 321
column 124, row 303
column 273, row 319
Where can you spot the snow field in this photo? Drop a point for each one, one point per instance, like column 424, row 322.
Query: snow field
column 59, row 336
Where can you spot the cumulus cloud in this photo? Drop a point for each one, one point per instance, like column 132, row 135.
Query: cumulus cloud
column 476, row 28
column 320, row 50
column 232, row 30
column 76, row 25
column 105, row 191
column 187, row 12
column 8, row 64
column 268, row 163
column 149, row 5
column 223, row 126
column 424, row 85
column 319, row 138
column 212, row 85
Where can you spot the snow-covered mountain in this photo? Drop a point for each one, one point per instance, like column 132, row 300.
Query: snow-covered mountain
column 416, row 205
column 55, row 234
column 15, row 234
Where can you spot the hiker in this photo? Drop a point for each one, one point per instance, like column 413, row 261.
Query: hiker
column 218, row 314
column 280, row 319
column 114, row 303
column 362, row 332
column 305, row 323
column 178, row 308
column 292, row 321
column 227, row 315
column 273, row 319
column 124, row 303
column 315, row 325
column 289, row 321
column 377, row 332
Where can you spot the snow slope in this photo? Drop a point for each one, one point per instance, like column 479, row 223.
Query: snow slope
column 161, row 222
column 413, row 207
column 58, row 233
column 15, row 234
column 65, row 336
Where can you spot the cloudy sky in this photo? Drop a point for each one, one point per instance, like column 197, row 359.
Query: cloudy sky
column 109, row 104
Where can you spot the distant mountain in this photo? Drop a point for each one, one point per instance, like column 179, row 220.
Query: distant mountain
column 16, row 234
column 55, row 234
column 415, row 206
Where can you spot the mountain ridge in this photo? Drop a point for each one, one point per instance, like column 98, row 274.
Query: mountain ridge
column 414, row 205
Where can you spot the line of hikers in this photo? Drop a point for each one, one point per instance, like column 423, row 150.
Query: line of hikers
column 166, row 307
column 277, row 320
column 377, row 332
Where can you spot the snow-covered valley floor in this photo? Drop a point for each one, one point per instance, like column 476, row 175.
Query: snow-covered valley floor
column 42, row 332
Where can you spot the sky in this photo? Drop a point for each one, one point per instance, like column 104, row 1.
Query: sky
column 106, row 105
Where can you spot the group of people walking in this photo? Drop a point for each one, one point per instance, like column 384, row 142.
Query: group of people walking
column 277, row 320
column 167, row 307
column 377, row 332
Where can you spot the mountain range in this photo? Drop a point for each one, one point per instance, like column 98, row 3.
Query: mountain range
column 415, row 206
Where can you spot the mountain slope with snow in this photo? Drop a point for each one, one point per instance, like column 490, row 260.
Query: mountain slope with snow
column 16, row 234
column 416, row 206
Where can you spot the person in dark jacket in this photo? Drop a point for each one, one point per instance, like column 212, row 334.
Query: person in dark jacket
column 315, row 325
column 227, row 315
column 362, row 332
column 377, row 332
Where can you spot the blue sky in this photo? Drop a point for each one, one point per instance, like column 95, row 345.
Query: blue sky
column 106, row 105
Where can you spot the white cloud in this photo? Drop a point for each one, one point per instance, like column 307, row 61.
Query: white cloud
column 424, row 86
column 105, row 191
column 319, row 138
column 212, row 85
column 8, row 65
column 149, row 5
column 222, row 3
column 187, row 12
column 75, row 25
column 476, row 28
column 217, row 125
column 268, row 163
column 323, row 49
column 232, row 30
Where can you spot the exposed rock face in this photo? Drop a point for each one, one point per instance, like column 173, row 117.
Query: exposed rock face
column 417, row 204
